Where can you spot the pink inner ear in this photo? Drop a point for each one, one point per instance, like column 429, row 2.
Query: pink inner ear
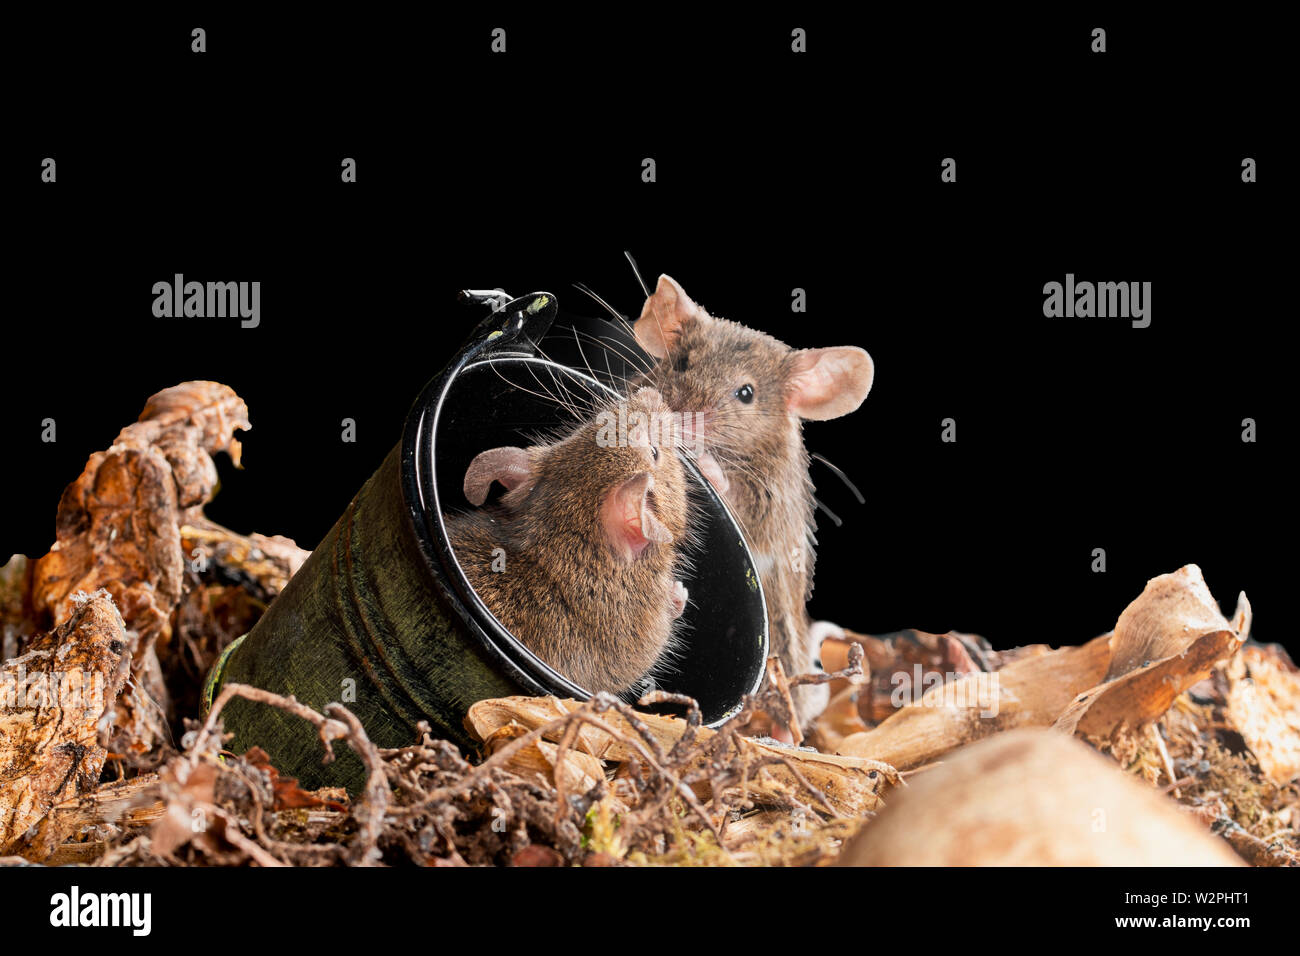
column 510, row 466
column 629, row 520
column 663, row 316
column 828, row 383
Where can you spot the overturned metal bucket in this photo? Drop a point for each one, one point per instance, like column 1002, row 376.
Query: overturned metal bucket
column 381, row 617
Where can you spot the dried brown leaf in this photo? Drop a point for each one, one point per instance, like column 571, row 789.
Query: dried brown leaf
column 118, row 528
column 1167, row 640
column 850, row 785
column 285, row 790
column 1172, row 611
column 1139, row 697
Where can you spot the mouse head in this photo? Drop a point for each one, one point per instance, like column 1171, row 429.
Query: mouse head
column 743, row 386
column 617, row 478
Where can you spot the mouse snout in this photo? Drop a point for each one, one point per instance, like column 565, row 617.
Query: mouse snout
column 653, row 428
column 649, row 402
column 695, row 426
column 648, row 453
column 649, row 396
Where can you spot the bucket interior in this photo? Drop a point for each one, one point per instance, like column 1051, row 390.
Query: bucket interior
column 512, row 400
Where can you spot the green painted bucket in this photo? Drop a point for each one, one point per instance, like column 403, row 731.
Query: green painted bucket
column 381, row 618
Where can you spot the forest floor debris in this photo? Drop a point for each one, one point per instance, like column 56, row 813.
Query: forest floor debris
column 1177, row 698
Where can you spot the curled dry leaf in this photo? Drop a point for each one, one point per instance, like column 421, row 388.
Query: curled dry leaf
column 1029, row 692
column 1176, row 619
column 486, row 717
column 1032, row 797
column 53, row 701
column 118, row 524
column 118, row 528
column 1172, row 611
column 540, row 760
column 1264, row 706
column 1139, row 697
column 849, row 785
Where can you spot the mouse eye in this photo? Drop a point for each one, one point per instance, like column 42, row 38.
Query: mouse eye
column 654, row 452
column 745, row 393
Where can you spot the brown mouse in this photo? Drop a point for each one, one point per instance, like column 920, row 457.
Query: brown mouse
column 750, row 394
column 580, row 558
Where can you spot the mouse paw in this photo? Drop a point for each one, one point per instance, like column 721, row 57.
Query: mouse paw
column 678, row 599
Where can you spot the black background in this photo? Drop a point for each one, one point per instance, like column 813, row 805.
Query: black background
column 775, row 171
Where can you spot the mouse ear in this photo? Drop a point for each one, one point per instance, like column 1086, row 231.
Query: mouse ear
column 629, row 520
column 828, row 383
column 663, row 317
column 511, row 466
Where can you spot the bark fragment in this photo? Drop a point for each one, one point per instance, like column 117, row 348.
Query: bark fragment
column 55, row 701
